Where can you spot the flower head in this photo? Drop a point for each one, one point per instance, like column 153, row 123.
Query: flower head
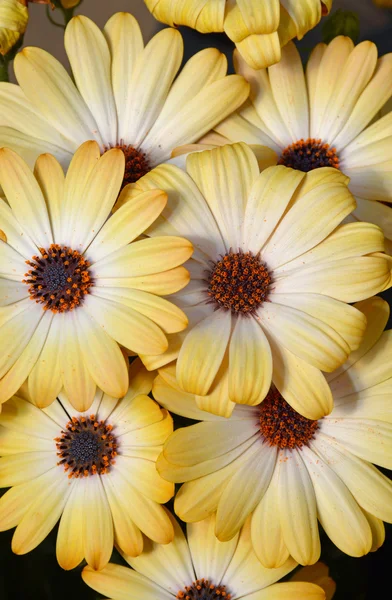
column 287, row 471
column 258, row 29
column 271, row 274
column 72, row 285
column 95, row 471
column 14, row 16
column 201, row 568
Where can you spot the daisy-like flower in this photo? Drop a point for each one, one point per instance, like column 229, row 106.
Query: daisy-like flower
column 288, row 471
column 14, row 16
column 124, row 95
column 258, row 29
column 199, row 567
column 85, row 289
column 95, row 471
column 329, row 116
column 271, row 275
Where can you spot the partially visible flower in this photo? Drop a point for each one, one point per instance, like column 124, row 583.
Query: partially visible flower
column 199, row 567
column 125, row 95
column 14, row 16
column 271, row 277
column 328, row 116
column 258, row 28
column 318, row 574
column 288, row 471
column 88, row 286
column 95, row 471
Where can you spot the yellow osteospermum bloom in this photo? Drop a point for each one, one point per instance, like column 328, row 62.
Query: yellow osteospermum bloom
column 95, row 471
column 200, row 567
column 328, row 116
column 289, row 471
column 125, row 95
column 87, row 287
column 258, row 28
column 14, row 16
column 271, row 276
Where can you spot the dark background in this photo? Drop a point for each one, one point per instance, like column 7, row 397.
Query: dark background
column 37, row 574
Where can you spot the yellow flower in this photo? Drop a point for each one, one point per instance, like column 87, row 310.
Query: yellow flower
column 288, row 471
column 281, row 229
column 95, row 471
column 199, row 567
column 125, row 95
column 85, row 288
column 328, row 116
column 318, row 574
column 258, row 28
column 14, row 16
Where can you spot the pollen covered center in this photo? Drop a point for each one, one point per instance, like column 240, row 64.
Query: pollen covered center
column 59, row 278
column 203, row 589
column 281, row 425
column 306, row 155
column 136, row 163
column 238, row 282
column 86, row 447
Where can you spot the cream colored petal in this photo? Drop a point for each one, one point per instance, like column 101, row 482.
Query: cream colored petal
column 202, row 353
column 318, row 574
column 210, row 557
column 268, row 199
column 245, row 575
column 292, row 590
column 133, row 414
column 312, row 74
column 225, row 177
column 15, row 234
column 297, row 509
column 52, row 92
column 145, row 257
column 45, row 380
column 371, row 489
column 165, row 314
column 368, row 404
column 102, row 356
column 122, row 583
column 150, row 436
column 154, row 561
column 338, row 512
column 307, row 337
column 260, row 51
column 90, row 60
column 153, row 75
column 236, row 128
column 97, row 524
column 146, row 477
column 12, row 442
column 23, row 467
column 12, row 291
column 27, row 358
column 18, row 414
column 127, row 223
column 373, row 181
column 99, row 195
column 303, row 386
column 161, row 284
column 140, row 380
column 44, row 512
column 347, row 321
column 250, row 371
column 50, row 176
column 375, row 212
column 70, row 541
column 125, row 43
column 245, row 490
column 25, row 197
column 126, row 326
column 378, row 532
column 78, row 383
column 12, row 266
column 288, row 86
column 196, row 117
column 30, row 147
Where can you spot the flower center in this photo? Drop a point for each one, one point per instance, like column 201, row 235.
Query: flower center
column 239, row 282
column 203, row 589
column 136, row 163
column 306, row 155
column 59, row 278
column 281, row 425
column 87, row 447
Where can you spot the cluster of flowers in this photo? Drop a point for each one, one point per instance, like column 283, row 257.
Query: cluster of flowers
column 214, row 251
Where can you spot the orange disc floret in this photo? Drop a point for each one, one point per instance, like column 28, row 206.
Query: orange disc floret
column 203, row 589
column 306, row 155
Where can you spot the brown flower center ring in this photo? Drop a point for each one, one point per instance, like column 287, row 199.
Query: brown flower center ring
column 306, row 155
column 59, row 278
column 203, row 589
column 238, row 282
column 136, row 163
column 86, row 447
column 281, row 425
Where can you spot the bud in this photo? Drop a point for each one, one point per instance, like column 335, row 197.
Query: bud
column 341, row 22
